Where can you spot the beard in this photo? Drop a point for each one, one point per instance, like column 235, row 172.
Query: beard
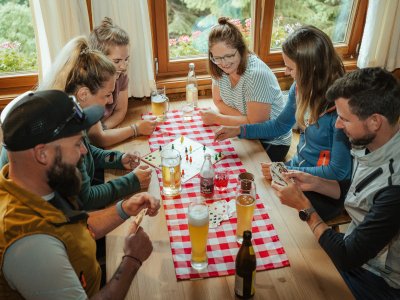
column 362, row 142
column 66, row 179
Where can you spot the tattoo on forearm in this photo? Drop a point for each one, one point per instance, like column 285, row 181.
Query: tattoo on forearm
column 117, row 274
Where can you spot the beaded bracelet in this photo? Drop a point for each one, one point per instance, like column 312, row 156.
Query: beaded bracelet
column 134, row 258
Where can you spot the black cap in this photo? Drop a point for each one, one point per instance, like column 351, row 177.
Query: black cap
column 44, row 116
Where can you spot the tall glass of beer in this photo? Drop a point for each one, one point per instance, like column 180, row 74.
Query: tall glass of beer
column 198, row 231
column 245, row 204
column 171, row 172
column 159, row 103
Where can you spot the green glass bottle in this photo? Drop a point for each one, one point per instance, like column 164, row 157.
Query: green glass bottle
column 245, row 268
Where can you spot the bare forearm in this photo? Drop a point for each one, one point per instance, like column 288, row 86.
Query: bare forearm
column 118, row 286
column 115, row 119
column 227, row 120
column 108, row 137
column 103, row 221
column 328, row 187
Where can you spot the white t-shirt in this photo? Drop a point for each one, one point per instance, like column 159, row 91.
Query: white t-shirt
column 256, row 84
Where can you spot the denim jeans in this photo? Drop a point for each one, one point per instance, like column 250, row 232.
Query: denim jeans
column 366, row 285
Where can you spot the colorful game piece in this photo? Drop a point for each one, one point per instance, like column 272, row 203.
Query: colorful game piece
column 220, row 154
column 182, row 139
column 186, row 150
column 216, row 157
column 187, row 157
column 204, row 148
column 190, row 160
column 183, row 172
column 190, row 148
column 160, row 148
column 172, row 147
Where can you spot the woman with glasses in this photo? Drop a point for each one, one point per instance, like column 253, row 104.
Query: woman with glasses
column 244, row 89
column 113, row 42
column 89, row 76
column 323, row 150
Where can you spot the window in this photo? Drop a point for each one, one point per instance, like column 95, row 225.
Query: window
column 17, row 47
column 18, row 59
column 180, row 28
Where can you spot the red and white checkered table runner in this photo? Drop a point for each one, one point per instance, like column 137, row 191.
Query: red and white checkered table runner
column 221, row 247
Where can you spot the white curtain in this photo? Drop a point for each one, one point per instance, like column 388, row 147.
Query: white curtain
column 55, row 23
column 380, row 45
column 133, row 17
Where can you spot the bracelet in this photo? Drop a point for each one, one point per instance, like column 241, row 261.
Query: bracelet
column 134, row 258
column 242, row 131
column 122, row 214
column 135, row 130
column 316, row 225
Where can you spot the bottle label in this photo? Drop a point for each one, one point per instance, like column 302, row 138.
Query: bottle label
column 238, row 285
column 244, row 286
column 207, row 186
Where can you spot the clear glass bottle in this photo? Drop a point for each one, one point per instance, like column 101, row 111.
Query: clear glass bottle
column 207, row 177
column 191, row 87
column 245, row 268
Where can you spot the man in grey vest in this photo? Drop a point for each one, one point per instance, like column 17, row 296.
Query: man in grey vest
column 368, row 254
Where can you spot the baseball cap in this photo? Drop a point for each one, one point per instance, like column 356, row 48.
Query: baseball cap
column 44, row 116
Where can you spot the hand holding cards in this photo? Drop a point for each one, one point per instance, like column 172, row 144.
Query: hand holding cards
column 276, row 169
column 139, row 218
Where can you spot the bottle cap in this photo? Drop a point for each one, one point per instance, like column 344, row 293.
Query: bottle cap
column 247, row 235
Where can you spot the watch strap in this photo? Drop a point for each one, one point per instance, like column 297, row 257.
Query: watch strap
column 122, row 214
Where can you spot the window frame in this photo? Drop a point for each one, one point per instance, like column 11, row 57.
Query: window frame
column 15, row 84
column 165, row 70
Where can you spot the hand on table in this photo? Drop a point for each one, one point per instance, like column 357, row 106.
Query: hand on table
column 143, row 173
column 225, row 132
column 208, row 116
column 146, row 127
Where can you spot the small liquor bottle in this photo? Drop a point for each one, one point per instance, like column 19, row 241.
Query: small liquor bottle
column 207, row 177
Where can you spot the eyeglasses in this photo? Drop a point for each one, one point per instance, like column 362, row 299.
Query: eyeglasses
column 226, row 58
column 77, row 114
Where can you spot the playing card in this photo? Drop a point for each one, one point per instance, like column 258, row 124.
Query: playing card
column 231, row 206
column 218, row 213
column 139, row 217
column 276, row 169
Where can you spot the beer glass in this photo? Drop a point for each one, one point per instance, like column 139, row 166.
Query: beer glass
column 245, row 204
column 159, row 103
column 198, row 230
column 171, row 172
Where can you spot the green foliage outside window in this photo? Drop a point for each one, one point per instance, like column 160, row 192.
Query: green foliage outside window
column 17, row 39
column 189, row 21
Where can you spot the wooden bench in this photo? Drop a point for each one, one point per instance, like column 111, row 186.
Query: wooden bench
column 341, row 219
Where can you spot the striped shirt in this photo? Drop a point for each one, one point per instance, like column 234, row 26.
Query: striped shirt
column 257, row 84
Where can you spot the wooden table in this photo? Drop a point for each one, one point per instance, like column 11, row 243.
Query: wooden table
column 311, row 274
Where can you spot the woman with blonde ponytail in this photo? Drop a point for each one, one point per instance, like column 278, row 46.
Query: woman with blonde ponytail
column 90, row 76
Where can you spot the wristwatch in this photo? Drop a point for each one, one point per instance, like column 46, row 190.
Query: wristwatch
column 306, row 213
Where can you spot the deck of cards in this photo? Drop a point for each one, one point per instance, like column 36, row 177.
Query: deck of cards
column 276, row 169
column 220, row 211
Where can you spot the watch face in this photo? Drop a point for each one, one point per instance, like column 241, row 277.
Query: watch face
column 303, row 215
